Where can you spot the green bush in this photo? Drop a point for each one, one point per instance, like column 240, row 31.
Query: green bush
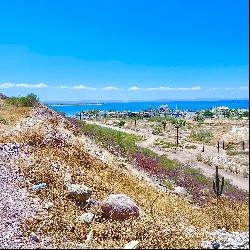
column 119, row 123
column 2, row 120
column 204, row 135
column 208, row 114
column 24, row 101
column 157, row 130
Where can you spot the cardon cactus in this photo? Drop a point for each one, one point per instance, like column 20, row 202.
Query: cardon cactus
column 217, row 187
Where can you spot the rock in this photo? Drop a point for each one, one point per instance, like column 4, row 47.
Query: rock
column 55, row 167
column 131, row 245
column 79, row 192
column 216, row 245
column 87, row 217
column 39, row 186
column 119, row 207
column 67, row 179
column 227, row 240
column 180, row 190
column 34, row 237
column 48, row 205
column 89, row 237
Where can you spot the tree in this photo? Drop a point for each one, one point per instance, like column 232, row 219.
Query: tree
column 178, row 123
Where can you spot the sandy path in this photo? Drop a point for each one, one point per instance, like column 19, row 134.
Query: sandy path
column 183, row 156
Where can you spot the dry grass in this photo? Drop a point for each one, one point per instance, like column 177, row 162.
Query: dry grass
column 162, row 224
column 12, row 114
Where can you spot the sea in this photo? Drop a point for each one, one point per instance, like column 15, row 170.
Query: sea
column 191, row 106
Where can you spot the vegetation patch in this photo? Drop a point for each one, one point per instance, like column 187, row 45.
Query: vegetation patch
column 203, row 135
column 231, row 153
column 125, row 144
column 23, row 101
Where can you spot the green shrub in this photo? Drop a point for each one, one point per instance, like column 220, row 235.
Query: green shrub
column 204, row 135
column 168, row 184
column 24, row 101
column 208, row 114
column 231, row 153
column 157, row 130
column 2, row 120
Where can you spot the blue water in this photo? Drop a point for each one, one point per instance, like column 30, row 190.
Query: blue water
column 70, row 110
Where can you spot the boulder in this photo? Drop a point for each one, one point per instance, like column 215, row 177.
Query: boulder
column 119, row 207
column 79, row 192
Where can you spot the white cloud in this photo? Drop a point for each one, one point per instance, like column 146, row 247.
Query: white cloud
column 191, row 88
column 160, row 88
column 246, row 87
column 23, row 85
column 229, row 88
column 110, row 88
column 214, row 88
column 134, row 88
column 7, row 85
column 76, row 87
column 163, row 88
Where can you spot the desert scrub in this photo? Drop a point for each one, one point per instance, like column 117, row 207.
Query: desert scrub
column 168, row 184
column 228, row 213
column 231, row 153
column 190, row 146
column 119, row 123
column 164, row 143
column 157, row 129
column 160, row 166
column 2, row 120
column 204, row 135
column 111, row 139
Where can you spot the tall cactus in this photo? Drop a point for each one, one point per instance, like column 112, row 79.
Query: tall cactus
column 164, row 123
column 218, row 189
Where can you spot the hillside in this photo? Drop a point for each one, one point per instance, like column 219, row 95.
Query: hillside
column 40, row 146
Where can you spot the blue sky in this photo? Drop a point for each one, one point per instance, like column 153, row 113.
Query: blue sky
column 124, row 50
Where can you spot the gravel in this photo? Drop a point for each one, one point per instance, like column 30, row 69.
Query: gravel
column 227, row 240
column 15, row 205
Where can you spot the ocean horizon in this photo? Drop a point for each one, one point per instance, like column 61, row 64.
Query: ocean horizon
column 185, row 105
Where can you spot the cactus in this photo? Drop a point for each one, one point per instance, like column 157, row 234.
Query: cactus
column 164, row 123
column 218, row 189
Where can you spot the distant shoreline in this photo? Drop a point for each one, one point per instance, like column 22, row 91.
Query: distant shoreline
column 75, row 103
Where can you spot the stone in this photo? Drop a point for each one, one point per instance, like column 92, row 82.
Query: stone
column 48, row 205
column 87, row 217
column 39, row 186
column 131, row 245
column 34, row 237
column 216, row 245
column 55, row 167
column 89, row 237
column 119, row 207
column 79, row 192
column 180, row 190
column 67, row 179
